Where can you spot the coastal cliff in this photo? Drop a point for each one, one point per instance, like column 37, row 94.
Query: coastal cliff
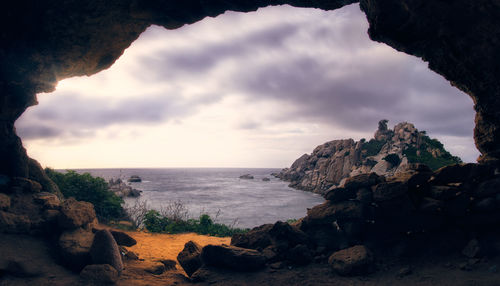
column 389, row 152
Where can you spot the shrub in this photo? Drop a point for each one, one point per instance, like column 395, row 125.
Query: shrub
column 393, row 159
column 85, row 187
column 155, row 222
column 373, row 147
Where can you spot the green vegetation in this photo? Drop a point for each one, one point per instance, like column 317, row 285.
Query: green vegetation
column 393, row 159
column 422, row 155
column 155, row 222
column 372, row 147
column 85, row 187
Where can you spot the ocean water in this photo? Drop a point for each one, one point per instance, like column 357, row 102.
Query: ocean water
column 239, row 202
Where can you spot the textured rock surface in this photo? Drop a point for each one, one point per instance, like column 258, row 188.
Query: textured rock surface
column 75, row 214
column 189, row 257
column 99, row 274
column 337, row 163
column 355, row 260
column 104, row 250
column 75, row 246
column 232, row 257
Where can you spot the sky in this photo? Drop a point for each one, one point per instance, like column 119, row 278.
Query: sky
column 243, row 90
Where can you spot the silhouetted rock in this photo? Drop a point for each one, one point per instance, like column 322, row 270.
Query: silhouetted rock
column 231, row 257
column 246, row 177
column 99, row 274
column 122, row 238
column 134, row 179
column 104, row 250
column 189, row 258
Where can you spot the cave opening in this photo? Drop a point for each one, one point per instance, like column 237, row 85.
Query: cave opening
column 241, row 90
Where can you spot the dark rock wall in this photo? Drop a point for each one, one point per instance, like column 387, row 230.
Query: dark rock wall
column 43, row 41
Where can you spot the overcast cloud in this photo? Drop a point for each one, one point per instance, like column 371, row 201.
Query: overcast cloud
column 279, row 78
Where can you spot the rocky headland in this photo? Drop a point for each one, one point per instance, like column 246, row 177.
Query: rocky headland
column 388, row 153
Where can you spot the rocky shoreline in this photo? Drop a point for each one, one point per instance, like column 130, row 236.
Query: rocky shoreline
column 388, row 153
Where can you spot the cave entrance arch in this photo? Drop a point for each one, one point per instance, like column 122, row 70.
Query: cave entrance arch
column 37, row 56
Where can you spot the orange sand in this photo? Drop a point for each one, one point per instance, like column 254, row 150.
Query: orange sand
column 155, row 246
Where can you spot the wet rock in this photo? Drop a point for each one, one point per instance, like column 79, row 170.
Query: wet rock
column 300, row 255
column 122, row 238
column 356, row 260
column 231, row 257
column 47, row 200
column 104, row 250
column 189, row 258
column 13, row 223
column 75, row 246
column 4, row 202
column 337, row 195
column 98, row 274
column 76, row 214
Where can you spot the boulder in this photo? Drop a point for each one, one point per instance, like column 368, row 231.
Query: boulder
column 122, row 238
column 23, row 185
column 47, row 200
column 300, row 255
column 14, row 223
column 76, row 214
column 337, row 195
column 257, row 238
column 104, row 250
column 231, row 257
column 363, row 181
column 356, row 260
column 389, row 190
column 328, row 212
column 98, row 274
column 4, row 202
column 488, row 188
column 189, row 258
column 75, row 246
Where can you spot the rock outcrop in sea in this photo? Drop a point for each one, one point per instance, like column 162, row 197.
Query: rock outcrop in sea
column 122, row 190
column 388, row 153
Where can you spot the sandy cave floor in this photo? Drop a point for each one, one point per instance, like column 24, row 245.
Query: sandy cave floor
column 433, row 270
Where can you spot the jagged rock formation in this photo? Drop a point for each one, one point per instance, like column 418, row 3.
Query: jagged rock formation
column 453, row 210
column 388, row 153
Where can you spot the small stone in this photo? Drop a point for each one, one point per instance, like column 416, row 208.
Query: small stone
column 169, row 264
column 4, row 202
column 99, row 274
column 156, row 268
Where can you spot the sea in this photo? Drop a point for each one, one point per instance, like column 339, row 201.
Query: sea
column 243, row 203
